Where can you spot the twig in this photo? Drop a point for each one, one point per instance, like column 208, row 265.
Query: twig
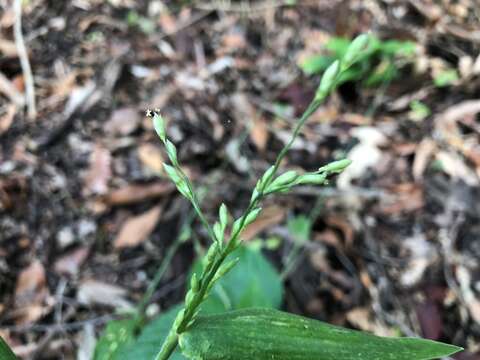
column 243, row 6
column 24, row 62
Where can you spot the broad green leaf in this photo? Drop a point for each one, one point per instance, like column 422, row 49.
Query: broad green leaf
column 5, row 352
column 395, row 47
column 338, row 46
column 300, row 227
column 252, row 282
column 316, row 64
column 151, row 338
column 116, row 335
column 265, row 334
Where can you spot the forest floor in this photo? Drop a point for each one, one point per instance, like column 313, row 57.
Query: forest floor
column 85, row 218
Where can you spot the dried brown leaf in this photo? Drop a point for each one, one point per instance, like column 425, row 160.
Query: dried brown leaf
column 259, row 134
column 96, row 292
column 123, row 121
column 31, row 293
column 99, row 172
column 425, row 150
column 151, row 157
column 69, row 264
column 137, row 228
column 131, row 194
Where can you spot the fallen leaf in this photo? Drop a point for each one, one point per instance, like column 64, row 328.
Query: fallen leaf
column 99, row 172
column 8, row 48
column 123, row 121
column 362, row 319
column 137, row 228
column 425, row 150
column 422, row 254
column 364, row 155
column 430, row 320
column 91, row 292
column 131, row 194
column 31, row 294
column 151, row 157
column 259, row 134
column 269, row 216
column 455, row 166
column 69, row 264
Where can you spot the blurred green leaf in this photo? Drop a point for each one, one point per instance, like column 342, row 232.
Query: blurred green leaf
column 252, row 282
column 418, row 110
column 446, row 78
column 385, row 72
column 115, row 337
column 300, row 228
column 147, row 344
column 376, row 64
column 5, row 352
column 265, row 334
column 315, row 64
column 395, row 47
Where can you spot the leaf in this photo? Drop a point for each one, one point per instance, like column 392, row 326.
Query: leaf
column 252, row 282
column 300, row 227
column 271, row 334
column 151, row 338
column 123, row 121
column 151, row 158
column 31, row 294
column 116, row 335
column 99, row 172
column 316, row 64
column 446, row 78
column 5, row 352
column 395, row 47
column 136, row 193
column 137, row 229
column 96, row 292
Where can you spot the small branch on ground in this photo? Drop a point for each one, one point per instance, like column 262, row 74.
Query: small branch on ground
column 24, row 62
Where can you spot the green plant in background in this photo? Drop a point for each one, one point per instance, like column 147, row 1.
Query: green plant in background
column 419, row 111
column 375, row 66
column 446, row 78
column 146, row 25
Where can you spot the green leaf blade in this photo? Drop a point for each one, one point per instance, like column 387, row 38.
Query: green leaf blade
column 115, row 337
column 5, row 352
column 266, row 334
